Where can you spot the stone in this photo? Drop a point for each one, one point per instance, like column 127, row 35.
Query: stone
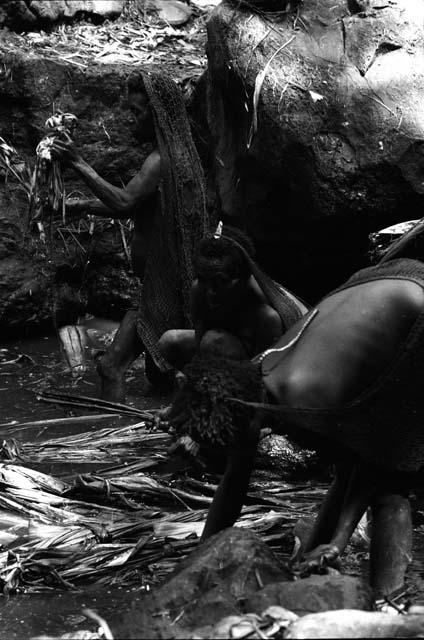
column 19, row 14
column 337, row 152
column 54, row 10
column 211, row 583
column 173, row 12
column 281, row 458
column 349, row 623
column 313, row 594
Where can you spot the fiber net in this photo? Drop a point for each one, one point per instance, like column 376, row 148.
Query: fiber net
column 178, row 226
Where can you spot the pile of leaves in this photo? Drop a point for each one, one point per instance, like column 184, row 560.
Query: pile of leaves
column 137, row 37
column 120, row 523
column 43, row 184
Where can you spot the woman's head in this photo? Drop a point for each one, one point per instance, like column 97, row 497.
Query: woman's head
column 203, row 407
column 222, row 266
column 140, row 107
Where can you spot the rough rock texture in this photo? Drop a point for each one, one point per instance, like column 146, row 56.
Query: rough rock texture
column 356, row 624
column 97, row 277
column 210, row 583
column 338, row 149
column 283, row 459
column 316, row 593
column 24, row 14
column 234, row 572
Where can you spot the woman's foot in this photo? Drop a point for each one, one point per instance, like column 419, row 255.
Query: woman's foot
column 319, row 560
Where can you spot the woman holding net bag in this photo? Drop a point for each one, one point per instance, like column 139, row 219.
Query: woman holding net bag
column 166, row 200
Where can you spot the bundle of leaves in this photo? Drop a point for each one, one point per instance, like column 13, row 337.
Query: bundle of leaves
column 48, row 190
column 203, row 408
column 11, row 164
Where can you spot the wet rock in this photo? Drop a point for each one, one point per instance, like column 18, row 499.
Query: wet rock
column 213, row 582
column 21, row 14
column 23, row 282
column 284, row 459
column 313, row 594
column 356, row 624
column 234, row 578
column 337, row 151
column 172, row 12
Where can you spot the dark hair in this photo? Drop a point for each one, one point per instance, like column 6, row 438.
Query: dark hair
column 135, row 83
column 203, row 409
column 226, row 254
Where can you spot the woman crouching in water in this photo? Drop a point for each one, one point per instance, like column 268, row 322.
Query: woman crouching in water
column 348, row 377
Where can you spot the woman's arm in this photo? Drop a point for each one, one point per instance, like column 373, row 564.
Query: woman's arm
column 230, row 495
column 122, row 202
column 77, row 207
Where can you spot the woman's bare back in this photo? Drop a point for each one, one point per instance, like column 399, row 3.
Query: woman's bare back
column 352, row 340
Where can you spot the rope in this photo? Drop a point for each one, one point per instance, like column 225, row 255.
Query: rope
column 261, row 356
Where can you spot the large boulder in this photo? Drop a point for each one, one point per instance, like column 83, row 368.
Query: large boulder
column 357, row 624
column 277, row 622
column 317, row 129
column 233, row 573
column 210, row 583
column 313, row 594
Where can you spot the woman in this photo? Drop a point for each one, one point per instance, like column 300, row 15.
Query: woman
column 347, row 378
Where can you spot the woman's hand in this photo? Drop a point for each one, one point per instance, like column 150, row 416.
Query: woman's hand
column 76, row 206
column 65, row 151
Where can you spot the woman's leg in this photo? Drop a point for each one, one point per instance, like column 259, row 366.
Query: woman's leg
column 217, row 342
column 391, row 540
column 359, row 493
column 178, row 347
column 125, row 348
column 330, row 509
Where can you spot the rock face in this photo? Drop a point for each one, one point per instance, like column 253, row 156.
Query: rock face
column 24, row 14
column 329, row 146
column 231, row 573
column 210, row 583
column 86, row 272
column 356, row 624
column 281, row 458
column 313, row 594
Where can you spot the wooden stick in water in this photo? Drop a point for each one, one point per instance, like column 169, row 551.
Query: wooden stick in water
column 93, row 403
column 59, row 421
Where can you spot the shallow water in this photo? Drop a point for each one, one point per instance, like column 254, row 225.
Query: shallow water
column 43, row 367
column 56, row 612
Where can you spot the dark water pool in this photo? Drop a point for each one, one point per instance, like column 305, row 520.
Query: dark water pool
column 41, row 367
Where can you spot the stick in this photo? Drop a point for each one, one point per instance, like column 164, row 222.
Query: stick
column 93, row 403
column 258, row 86
column 59, row 421
column 103, row 624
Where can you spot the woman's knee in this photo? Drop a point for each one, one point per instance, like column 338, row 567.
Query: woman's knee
column 168, row 343
column 177, row 346
column 221, row 343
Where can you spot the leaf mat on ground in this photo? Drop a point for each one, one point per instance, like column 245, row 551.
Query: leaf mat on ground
column 106, row 445
column 135, row 38
column 52, row 539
